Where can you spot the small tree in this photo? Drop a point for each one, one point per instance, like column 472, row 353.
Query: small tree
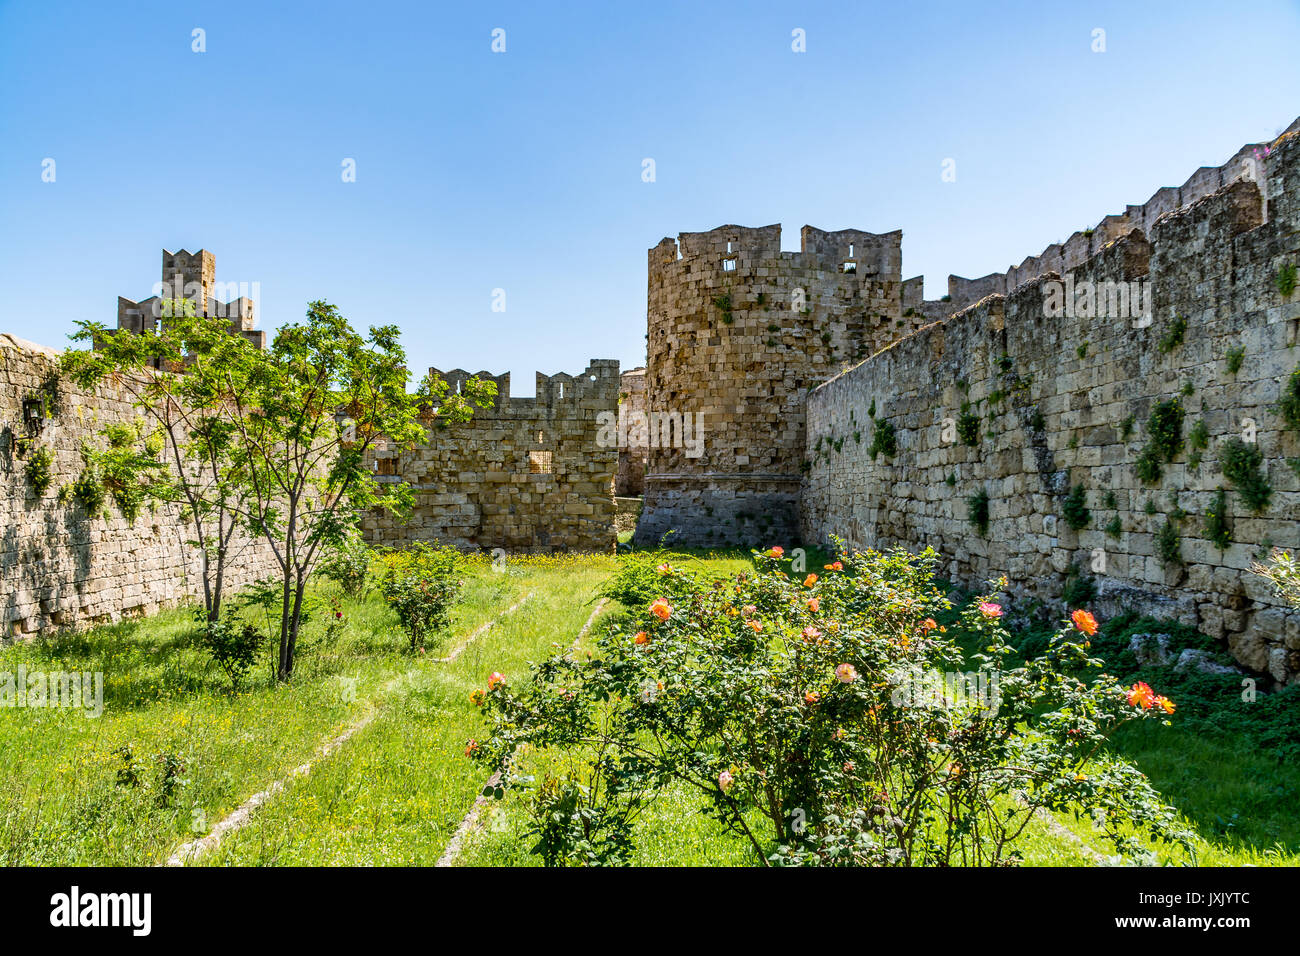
column 308, row 410
column 177, row 375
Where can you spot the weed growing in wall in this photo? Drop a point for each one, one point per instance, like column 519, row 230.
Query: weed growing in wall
column 39, row 470
column 87, row 490
column 1285, row 280
column 1168, row 547
column 1173, row 336
column 968, row 426
column 1079, row 590
column 1165, row 428
column 883, row 440
column 1216, row 521
column 1234, row 358
column 1288, row 405
column 1075, row 509
column 1243, row 465
column 1164, row 442
column 1126, row 428
column 978, row 511
column 1147, row 466
column 723, row 303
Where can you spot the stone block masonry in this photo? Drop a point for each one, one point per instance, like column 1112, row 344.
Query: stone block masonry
column 739, row 331
column 61, row 567
column 1055, row 404
column 528, row 474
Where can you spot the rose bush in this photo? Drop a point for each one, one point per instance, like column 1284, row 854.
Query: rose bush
column 792, row 705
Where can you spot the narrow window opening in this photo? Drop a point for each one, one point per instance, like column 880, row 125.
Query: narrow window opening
column 539, row 462
column 728, row 265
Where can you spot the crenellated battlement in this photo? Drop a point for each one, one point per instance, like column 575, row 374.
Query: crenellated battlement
column 1249, row 163
column 732, row 248
column 192, row 275
column 560, row 392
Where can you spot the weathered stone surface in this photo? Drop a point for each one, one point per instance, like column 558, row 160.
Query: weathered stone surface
column 59, row 565
column 528, row 474
column 1052, row 395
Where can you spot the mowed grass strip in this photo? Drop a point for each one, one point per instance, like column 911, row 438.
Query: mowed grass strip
column 396, row 792
column 173, row 751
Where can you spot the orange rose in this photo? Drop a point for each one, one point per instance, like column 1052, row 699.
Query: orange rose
column 813, row 605
column 495, row 679
column 1141, row 695
column 641, row 638
column 810, row 580
column 1084, row 622
column 661, row 609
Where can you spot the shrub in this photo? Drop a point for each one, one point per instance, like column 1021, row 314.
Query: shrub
column 639, row 578
column 39, row 470
column 977, row 511
column 1243, row 465
column 835, row 723
column 233, row 646
column 1075, row 509
column 420, row 585
column 347, row 563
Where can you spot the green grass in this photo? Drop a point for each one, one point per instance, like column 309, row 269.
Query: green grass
column 397, row 790
column 60, row 802
column 395, row 793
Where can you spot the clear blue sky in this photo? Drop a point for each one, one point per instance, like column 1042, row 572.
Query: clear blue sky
column 522, row 170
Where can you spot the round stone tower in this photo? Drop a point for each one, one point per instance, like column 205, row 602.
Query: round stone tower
column 739, row 332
